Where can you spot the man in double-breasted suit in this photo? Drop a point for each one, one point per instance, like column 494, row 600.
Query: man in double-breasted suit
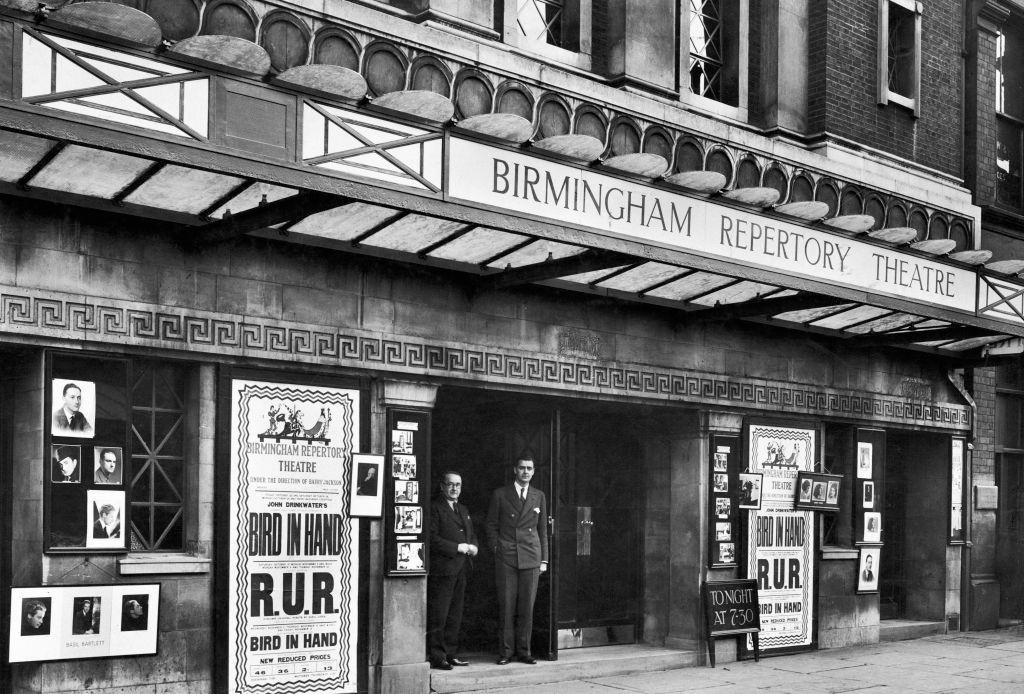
column 452, row 543
column 517, row 523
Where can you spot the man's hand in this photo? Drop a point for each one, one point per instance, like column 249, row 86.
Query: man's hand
column 472, row 550
column 543, row 566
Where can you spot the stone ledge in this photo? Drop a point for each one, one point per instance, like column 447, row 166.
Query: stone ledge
column 146, row 564
column 831, row 553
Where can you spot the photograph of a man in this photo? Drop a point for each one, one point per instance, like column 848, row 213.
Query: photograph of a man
column 64, row 467
column 867, row 577
column 77, row 408
column 517, row 520
column 108, row 522
column 410, row 556
column 108, row 466
column 367, row 474
column 452, row 543
column 133, row 613
column 36, row 617
column 86, row 616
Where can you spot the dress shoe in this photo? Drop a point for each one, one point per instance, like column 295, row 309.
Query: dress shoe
column 443, row 665
column 457, row 662
column 503, row 661
column 528, row 659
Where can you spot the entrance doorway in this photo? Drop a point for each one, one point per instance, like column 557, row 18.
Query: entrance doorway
column 589, row 466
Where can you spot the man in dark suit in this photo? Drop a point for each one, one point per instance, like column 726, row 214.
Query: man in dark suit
column 68, row 420
column 517, row 524
column 452, row 543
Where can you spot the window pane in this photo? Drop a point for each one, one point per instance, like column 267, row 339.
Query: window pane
column 1008, row 163
column 1008, row 421
column 1010, row 68
column 714, row 49
column 901, row 50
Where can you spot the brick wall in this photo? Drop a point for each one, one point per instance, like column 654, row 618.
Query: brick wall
column 844, row 75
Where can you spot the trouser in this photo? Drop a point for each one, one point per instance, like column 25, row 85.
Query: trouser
column 517, row 590
column 445, row 595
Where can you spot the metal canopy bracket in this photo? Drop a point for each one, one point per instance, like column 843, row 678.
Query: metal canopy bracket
column 906, row 337
column 288, row 209
column 764, row 307
column 551, row 269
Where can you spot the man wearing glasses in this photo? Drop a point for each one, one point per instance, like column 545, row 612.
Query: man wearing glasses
column 452, row 543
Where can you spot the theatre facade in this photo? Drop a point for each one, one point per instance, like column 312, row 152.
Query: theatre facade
column 285, row 298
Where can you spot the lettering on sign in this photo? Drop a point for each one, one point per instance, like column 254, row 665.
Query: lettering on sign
column 528, row 186
column 731, row 607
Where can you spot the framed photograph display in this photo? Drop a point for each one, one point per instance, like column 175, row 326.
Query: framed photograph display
column 750, row 490
column 85, row 621
column 367, row 492
column 816, row 491
column 408, row 475
column 86, row 489
column 864, row 460
column 722, row 521
column 872, row 526
column 867, row 569
column 867, row 494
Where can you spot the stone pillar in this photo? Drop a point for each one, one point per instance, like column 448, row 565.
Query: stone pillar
column 784, row 62
column 640, row 47
column 476, row 16
column 676, row 452
column 398, row 606
column 26, row 476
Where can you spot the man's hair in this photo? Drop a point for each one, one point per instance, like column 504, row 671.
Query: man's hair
column 524, row 459
column 33, row 606
column 132, row 604
column 107, row 508
column 110, row 451
column 69, row 386
column 450, row 472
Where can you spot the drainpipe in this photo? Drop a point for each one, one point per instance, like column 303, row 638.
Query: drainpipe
column 965, row 564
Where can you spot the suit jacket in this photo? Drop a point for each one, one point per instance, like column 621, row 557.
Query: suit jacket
column 517, row 532
column 447, row 530
column 78, row 422
column 98, row 531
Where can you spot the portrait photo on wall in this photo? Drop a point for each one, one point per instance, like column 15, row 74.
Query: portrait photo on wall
column 867, row 569
column 85, row 615
column 723, row 532
column 65, row 464
column 74, row 408
column 403, row 467
column 401, row 440
column 35, row 616
column 409, row 556
column 135, row 612
column 817, row 491
column 864, row 463
column 872, row 526
column 407, row 492
column 721, row 462
column 867, row 495
column 726, row 553
column 107, row 462
column 367, row 491
column 105, row 515
column 750, row 490
column 721, row 482
column 408, row 520
column 723, row 506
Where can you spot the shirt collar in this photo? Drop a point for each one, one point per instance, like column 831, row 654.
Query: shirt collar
column 520, row 488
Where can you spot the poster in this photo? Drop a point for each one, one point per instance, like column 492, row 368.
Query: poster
column 83, row 621
column 780, row 539
column 956, row 491
column 293, row 566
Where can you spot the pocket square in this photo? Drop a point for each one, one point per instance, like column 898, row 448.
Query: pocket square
column 536, row 509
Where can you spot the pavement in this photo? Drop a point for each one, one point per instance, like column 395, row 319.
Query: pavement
column 980, row 662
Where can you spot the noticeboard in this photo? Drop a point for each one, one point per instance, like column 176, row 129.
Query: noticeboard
column 731, row 607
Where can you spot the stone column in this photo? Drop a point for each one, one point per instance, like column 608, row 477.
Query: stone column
column 640, row 46
column 785, row 46
column 398, row 606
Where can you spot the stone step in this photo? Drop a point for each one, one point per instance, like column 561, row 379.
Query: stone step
column 906, row 629
column 483, row 675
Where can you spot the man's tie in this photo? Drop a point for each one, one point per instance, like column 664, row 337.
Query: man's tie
column 522, row 499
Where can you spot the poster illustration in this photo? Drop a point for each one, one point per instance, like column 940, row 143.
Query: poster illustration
column 780, row 551
column 293, row 549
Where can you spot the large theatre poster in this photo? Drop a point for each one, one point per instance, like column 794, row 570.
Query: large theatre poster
column 780, row 539
column 293, row 566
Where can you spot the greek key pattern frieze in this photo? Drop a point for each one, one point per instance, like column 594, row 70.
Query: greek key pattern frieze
column 97, row 323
